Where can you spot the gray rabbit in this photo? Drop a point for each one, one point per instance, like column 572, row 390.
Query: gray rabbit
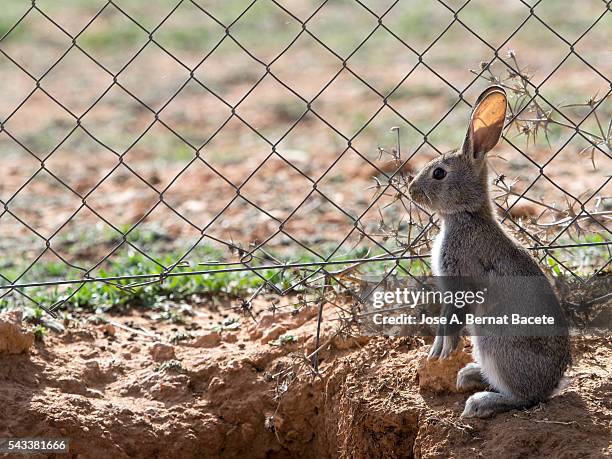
column 521, row 370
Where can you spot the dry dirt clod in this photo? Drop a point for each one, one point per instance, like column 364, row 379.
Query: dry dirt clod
column 273, row 333
column 162, row 352
column 266, row 319
column 209, row 339
column 440, row 375
column 13, row 340
column 108, row 330
column 229, row 337
column 255, row 333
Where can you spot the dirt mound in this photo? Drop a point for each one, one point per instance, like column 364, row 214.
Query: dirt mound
column 13, row 339
column 245, row 391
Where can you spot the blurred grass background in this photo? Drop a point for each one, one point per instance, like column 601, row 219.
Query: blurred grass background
column 151, row 48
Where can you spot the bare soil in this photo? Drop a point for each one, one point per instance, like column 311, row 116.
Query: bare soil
column 118, row 393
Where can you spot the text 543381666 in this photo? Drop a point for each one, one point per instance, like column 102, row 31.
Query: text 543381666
column 33, row 445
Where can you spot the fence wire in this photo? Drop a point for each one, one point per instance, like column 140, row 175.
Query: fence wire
column 570, row 225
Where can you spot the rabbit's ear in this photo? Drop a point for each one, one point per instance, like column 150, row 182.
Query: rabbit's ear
column 486, row 123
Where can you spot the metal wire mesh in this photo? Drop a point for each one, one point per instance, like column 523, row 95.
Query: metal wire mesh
column 355, row 241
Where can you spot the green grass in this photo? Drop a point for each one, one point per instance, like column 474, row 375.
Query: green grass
column 169, row 299
column 266, row 28
column 9, row 18
column 112, row 39
column 580, row 260
column 102, row 297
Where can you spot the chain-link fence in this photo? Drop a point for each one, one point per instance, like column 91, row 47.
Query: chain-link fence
column 266, row 146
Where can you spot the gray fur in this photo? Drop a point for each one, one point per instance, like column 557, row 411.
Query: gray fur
column 486, row 404
column 470, row 377
column 522, row 370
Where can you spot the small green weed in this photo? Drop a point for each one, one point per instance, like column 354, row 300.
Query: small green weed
column 180, row 336
column 40, row 331
column 170, row 365
column 283, row 340
column 229, row 324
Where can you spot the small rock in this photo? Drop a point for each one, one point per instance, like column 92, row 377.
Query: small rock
column 162, row 352
column 108, row 329
column 273, row 333
column 215, row 384
column 266, row 319
column 350, row 342
column 255, row 333
column 230, row 337
column 13, row 340
column 209, row 339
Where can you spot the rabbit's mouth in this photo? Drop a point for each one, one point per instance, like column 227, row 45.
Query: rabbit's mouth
column 419, row 196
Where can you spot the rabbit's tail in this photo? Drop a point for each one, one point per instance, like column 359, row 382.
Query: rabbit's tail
column 563, row 383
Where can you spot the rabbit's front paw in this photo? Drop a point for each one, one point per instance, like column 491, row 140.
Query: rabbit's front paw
column 436, row 348
column 443, row 347
column 470, row 377
column 449, row 344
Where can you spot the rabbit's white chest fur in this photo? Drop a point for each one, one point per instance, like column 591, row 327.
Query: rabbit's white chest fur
column 436, row 252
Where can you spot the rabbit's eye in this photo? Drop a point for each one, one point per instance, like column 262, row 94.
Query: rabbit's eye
column 439, row 173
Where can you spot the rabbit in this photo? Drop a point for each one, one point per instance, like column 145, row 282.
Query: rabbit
column 521, row 370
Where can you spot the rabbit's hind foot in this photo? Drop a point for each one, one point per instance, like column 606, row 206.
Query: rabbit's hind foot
column 486, row 404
